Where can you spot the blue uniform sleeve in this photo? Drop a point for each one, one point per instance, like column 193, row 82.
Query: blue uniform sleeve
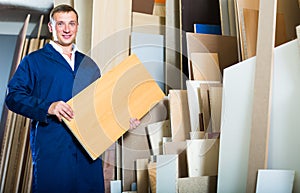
column 20, row 98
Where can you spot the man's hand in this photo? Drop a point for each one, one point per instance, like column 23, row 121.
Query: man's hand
column 134, row 123
column 61, row 109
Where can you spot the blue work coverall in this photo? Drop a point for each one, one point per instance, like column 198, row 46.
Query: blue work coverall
column 60, row 164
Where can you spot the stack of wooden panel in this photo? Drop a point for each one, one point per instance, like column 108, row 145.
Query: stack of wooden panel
column 16, row 164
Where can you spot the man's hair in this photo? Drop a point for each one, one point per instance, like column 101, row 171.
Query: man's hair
column 62, row 8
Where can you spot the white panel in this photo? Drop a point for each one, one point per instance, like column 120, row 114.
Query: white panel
column 166, row 173
column 275, row 181
column 149, row 48
column 236, row 119
column 115, row 186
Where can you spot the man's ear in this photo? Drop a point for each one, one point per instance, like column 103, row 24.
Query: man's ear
column 50, row 27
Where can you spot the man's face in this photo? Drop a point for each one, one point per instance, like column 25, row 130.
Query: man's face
column 64, row 28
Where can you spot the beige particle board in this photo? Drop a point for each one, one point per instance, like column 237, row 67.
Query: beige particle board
column 202, row 184
column 107, row 111
column 205, row 66
column 179, row 115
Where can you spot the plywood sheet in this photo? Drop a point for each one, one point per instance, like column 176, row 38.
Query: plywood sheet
column 251, row 28
column 236, row 119
column 179, row 115
column 215, row 101
column 205, row 66
column 150, row 50
column 145, row 23
column 156, row 132
column 108, row 120
column 152, row 176
column 178, row 148
column 225, row 46
column 203, row 184
column 275, row 181
column 142, row 176
column 202, row 157
column 110, row 44
column 135, row 143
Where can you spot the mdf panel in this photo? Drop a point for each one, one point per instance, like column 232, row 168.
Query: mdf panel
column 179, row 115
column 135, row 143
column 110, row 44
column 237, row 105
column 102, row 109
column 150, row 50
column 84, row 34
column 225, row 46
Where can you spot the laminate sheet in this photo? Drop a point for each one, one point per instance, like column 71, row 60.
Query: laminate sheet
column 275, row 181
column 225, row 46
column 102, row 114
column 237, row 102
column 150, row 50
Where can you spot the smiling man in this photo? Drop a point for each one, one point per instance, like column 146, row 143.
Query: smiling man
column 39, row 89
